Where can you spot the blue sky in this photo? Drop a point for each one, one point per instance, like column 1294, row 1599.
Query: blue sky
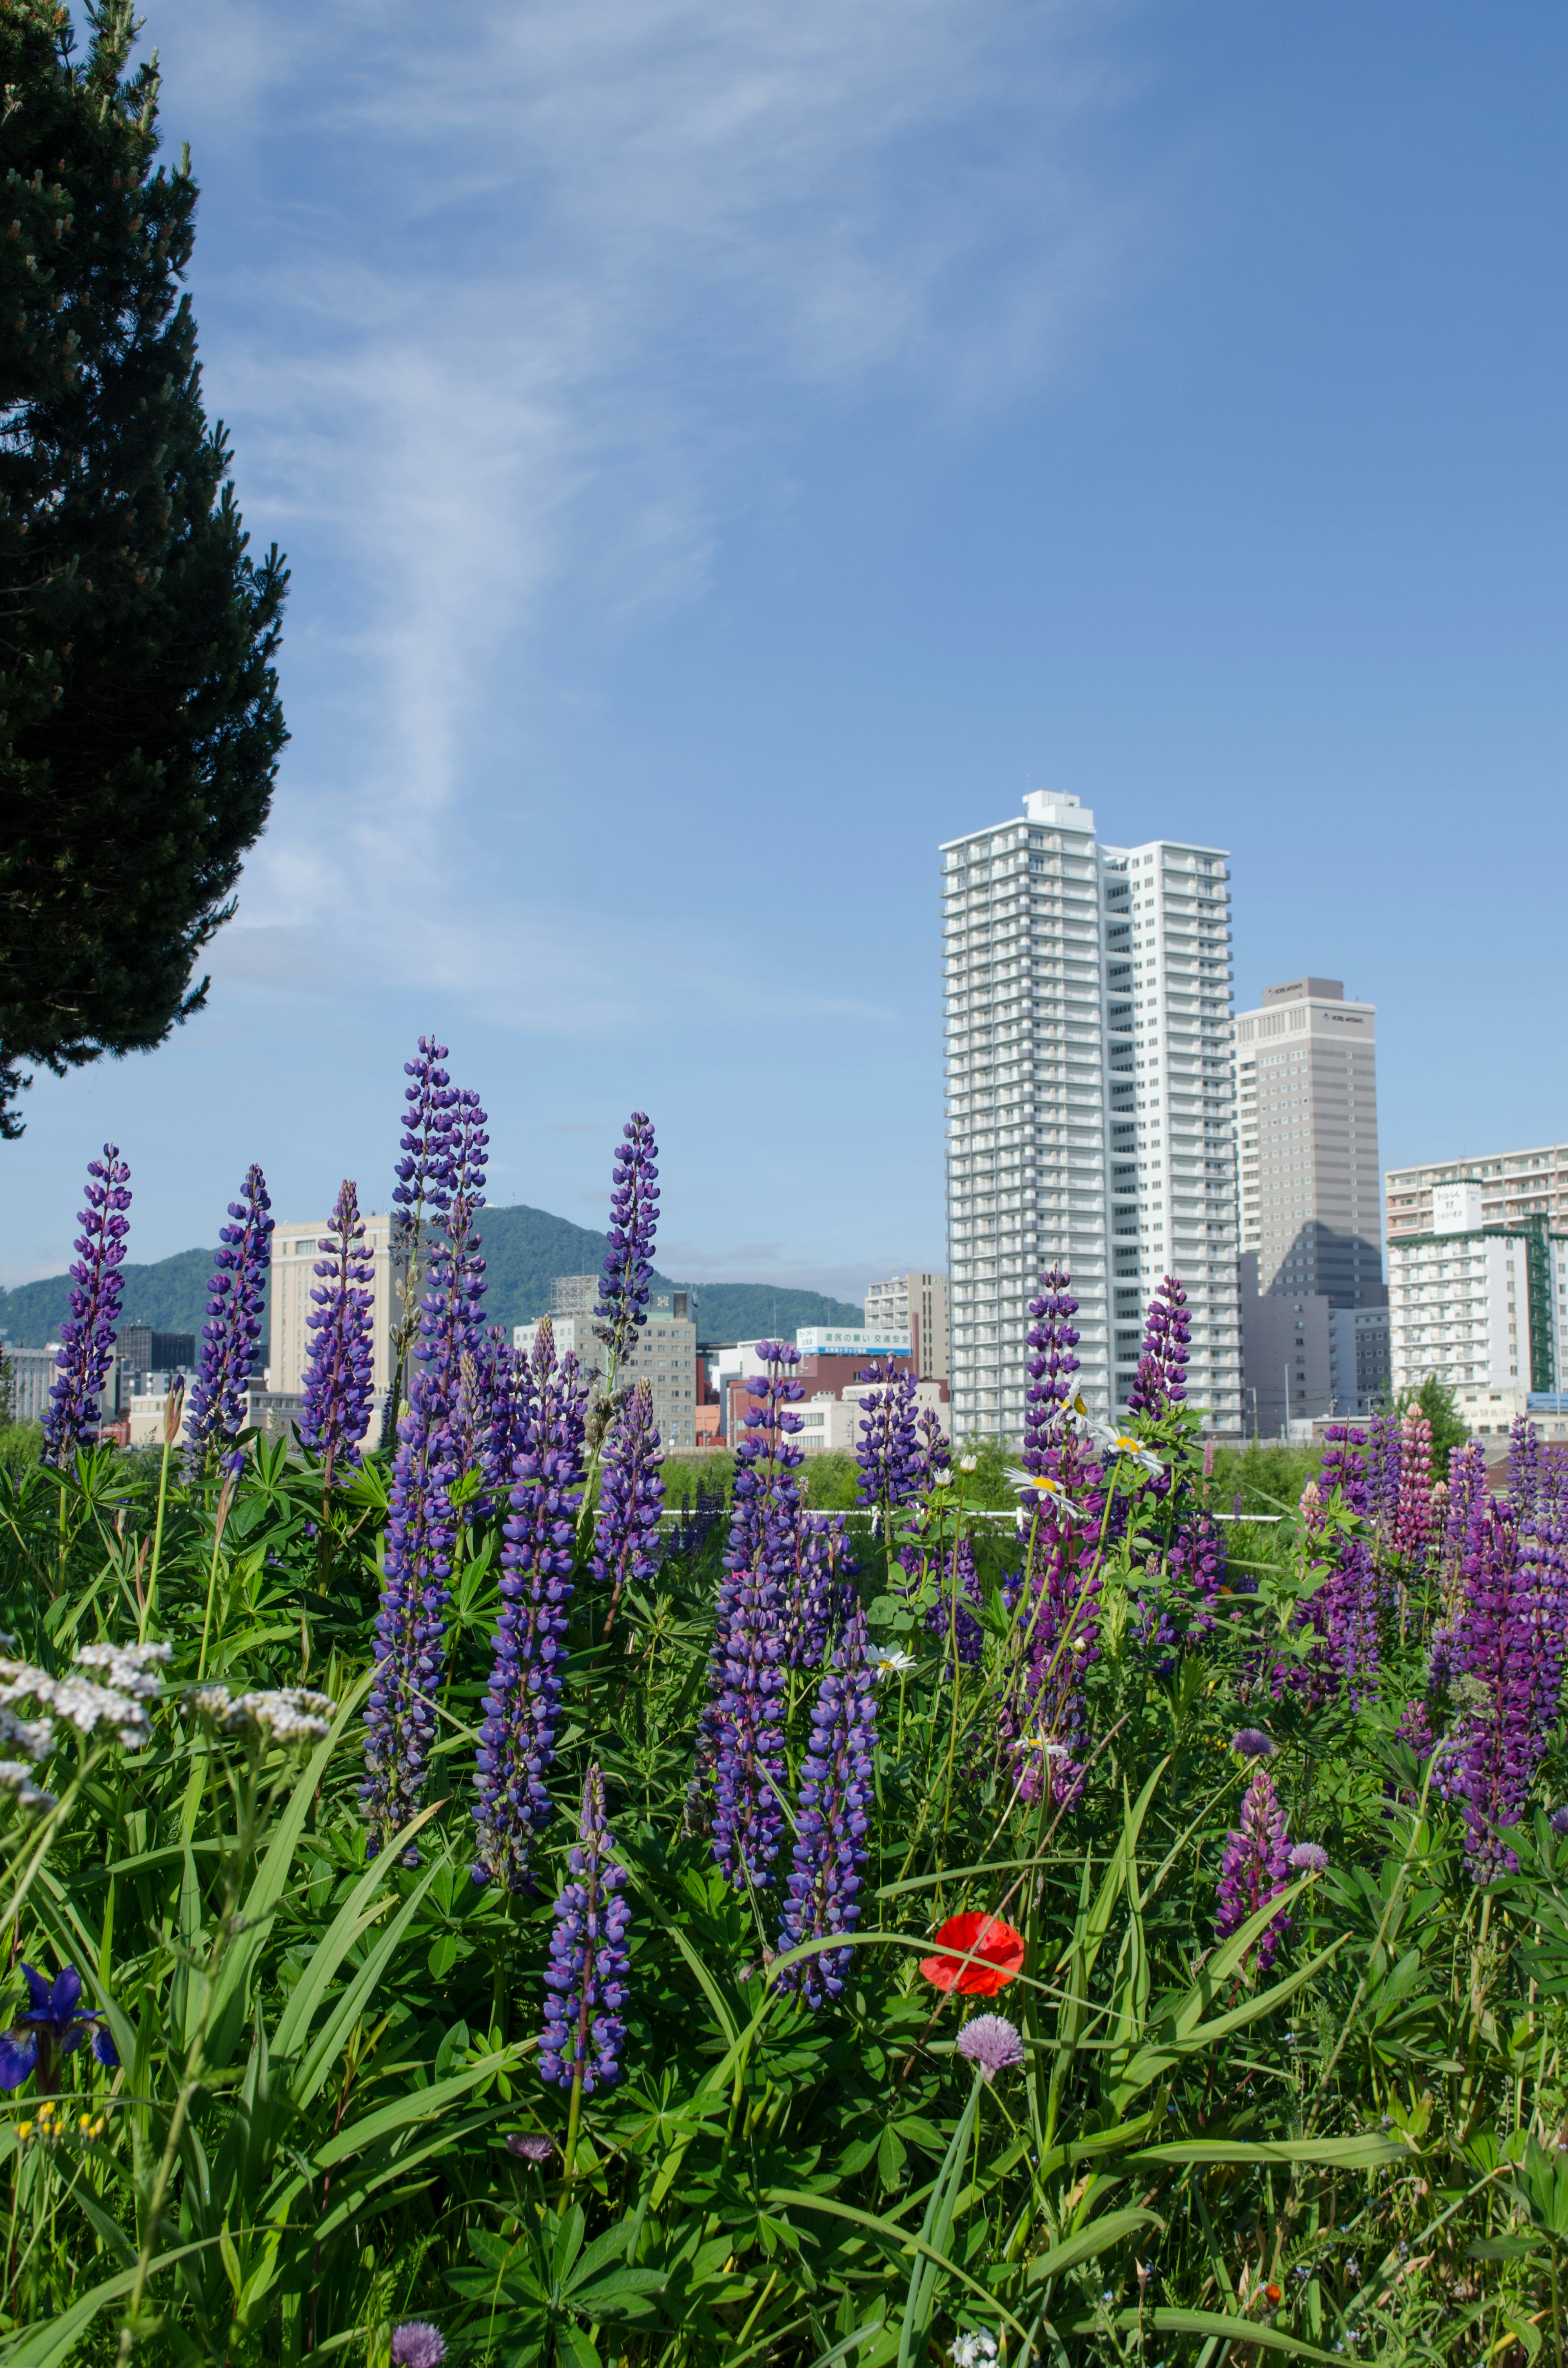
column 725, row 452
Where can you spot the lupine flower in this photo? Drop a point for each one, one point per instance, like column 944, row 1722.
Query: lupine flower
column 1414, row 1729
column 1309, row 1857
column 417, row 2344
column 339, row 1365
column 1500, row 1653
column 1345, row 1465
column 1000, row 1952
column 584, row 2034
column 233, row 1328
column 990, row 2044
column 1049, row 1363
column 1054, row 1604
column 54, row 2024
column 1161, row 1378
column 837, row 1788
column 933, row 1454
column 951, row 1618
column 517, row 1736
column 743, row 1742
column 632, row 1499
column 888, row 1450
column 1524, row 1465
column 821, row 1590
column 1256, row 1867
column 86, row 1337
column 1558, row 1821
column 628, row 1276
column 1412, row 1511
column 421, row 1197
column 400, row 1718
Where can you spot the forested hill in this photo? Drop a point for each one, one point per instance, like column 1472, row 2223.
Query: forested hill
column 523, row 1251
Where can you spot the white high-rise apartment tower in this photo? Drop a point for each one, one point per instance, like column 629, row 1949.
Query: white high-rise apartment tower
column 1087, row 1027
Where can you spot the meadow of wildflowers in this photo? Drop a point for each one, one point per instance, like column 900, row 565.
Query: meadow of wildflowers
column 477, row 1890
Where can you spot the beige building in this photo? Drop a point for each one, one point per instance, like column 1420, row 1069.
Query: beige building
column 1307, row 1143
column 1514, row 1185
column 916, row 1303
column 664, row 1354
column 295, row 1252
column 271, row 1412
column 831, row 1426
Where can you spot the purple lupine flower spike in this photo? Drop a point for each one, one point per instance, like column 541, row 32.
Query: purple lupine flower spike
column 888, row 1449
column 822, row 1593
column 340, row 1361
column 632, row 1500
column 86, row 1337
column 1051, row 1364
column 837, row 1787
column 627, row 1275
column 517, row 1736
column 584, row 2032
column 216, row 1413
column 1524, row 1465
column 1412, row 1504
column 1256, row 1867
column 743, row 1729
column 1161, row 1378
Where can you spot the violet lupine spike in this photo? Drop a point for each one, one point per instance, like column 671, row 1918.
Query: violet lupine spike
column 1413, row 1508
column 934, row 1453
column 745, row 1724
column 627, row 1277
column 421, row 1197
column 1051, row 1365
column 888, row 1450
column 837, row 1787
column 586, row 1975
column 631, row 1502
column 339, row 1362
column 822, row 1593
column 1345, row 1465
column 1490, row 1756
column 87, row 1334
column 1161, row 1378
column 486, row 1416
column 1054, row 1601
column 951, row 1619
column 1256, row 1868
column 1524, row 1465
column 522, row 1705
column 216, row 1408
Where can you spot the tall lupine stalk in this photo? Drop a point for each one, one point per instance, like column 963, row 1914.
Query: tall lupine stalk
column 1161, row 1378
column 889, row 1447
column 1413, row 1513
column 217, row 1405
column 628, row 1276
column 1524, row 1465
column 1382, row 1462
column 1344, row 1609
column 1489, row 1654
column 485, row 1416
column 1256, row 1867
column 821, row 1592
column 586, row 1975
column 86, row 1337
column 522, row 1703
column 1051, row 1364
column 745, row 1724
column 632, row 1500
column 422, row 1527
column 837, row 1788
column 421, row 1197
column 340, row 1360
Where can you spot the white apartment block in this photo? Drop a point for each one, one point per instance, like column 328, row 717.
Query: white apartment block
column 1484, row 1308
column 1090, row 1124
column 915, row 1305
column 31, row 1375
column 1514, row 1185
column 296, row 1248
column 663, row 1353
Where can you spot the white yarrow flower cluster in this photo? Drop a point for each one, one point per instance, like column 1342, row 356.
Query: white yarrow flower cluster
column 16, row 1776
column 289, row 1715
column 130, row 1669
column 84, row 1704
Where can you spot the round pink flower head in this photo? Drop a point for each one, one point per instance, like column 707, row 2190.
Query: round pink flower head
column 990, row 2044
column 530, row 2146
column 1310, row 1858
column 1253, row 1744
column 417, row 2344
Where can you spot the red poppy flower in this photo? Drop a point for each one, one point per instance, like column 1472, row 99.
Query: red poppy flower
column 982, row 1936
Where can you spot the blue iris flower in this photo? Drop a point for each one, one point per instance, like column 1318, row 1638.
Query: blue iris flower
column 55, row 2020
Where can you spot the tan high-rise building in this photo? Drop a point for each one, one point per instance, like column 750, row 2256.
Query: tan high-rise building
column 916, row 1303
column 295, row 1252
column 1307, row 1144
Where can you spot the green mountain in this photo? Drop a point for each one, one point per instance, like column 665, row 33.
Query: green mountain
column 525, row 1250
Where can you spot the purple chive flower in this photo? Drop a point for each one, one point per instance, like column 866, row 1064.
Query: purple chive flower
column 417, row 2344
column 628, row 1276
column 1161, row 1380
column 1256, row 1867
column 338, row 1365
column 1252, row 1743
column 530, row 2146
column 53, row 2023
column 528, row 1653
column 742, row 1741
column 837, row 1788
column 86, row 1337
column 632, row 1499
column 1310, row 1858
column 229, row 1336
column 1558, row 1821
column 421, row 1534
column 584, row 2034
column 992, row 2045
column 888, row 1449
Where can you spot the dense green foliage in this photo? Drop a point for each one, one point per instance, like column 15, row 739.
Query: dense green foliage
column 139, row 724
column 1351, row 2154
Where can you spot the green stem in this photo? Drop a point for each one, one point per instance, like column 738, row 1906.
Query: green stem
column 157, row 1536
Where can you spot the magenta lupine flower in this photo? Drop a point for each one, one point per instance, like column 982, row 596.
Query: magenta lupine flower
column 1161, row 1378
column 888, row 1450
column 1051, row 1365
column 837, row 1787
column 584, row 2032
column 86, row 1337
column 522, row 1705
column 228, row 1338
column 992, row 2045
column 1256, row 1867
column 628, row 1276
column 743, row 1729
column 632, row 1500
column 339, row 1362
column 1413, row 1513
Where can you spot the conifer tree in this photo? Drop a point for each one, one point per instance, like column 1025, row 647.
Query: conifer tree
column 140, row 723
